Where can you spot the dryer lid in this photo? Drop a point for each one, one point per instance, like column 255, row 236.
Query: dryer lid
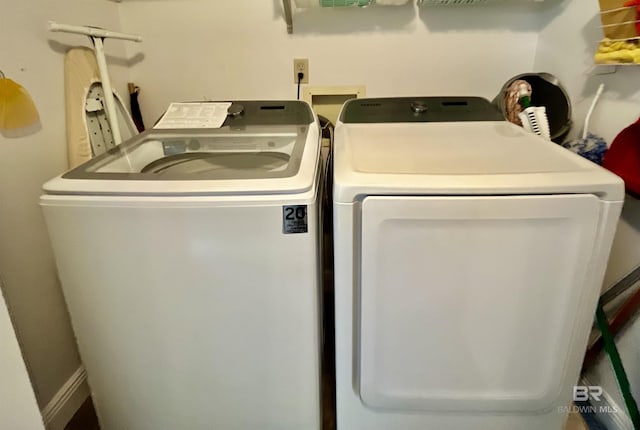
column 459, row 158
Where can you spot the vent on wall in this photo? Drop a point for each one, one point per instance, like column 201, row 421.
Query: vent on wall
column 328, row 101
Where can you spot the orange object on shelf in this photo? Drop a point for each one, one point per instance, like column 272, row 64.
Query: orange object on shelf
column 618, row 19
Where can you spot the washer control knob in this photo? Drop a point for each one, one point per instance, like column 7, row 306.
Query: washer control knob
column 235, row 110
column 419, row 107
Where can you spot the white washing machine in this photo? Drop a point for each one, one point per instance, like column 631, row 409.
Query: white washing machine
column 469, row 256
column 189, row 261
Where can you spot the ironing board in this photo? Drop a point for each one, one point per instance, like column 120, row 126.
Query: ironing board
column 88, row 131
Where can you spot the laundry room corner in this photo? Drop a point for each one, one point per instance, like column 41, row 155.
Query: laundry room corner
column 570, row 56
column 33, row 58
column 213, row 317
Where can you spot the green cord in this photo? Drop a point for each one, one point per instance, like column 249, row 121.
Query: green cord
column 618, row 368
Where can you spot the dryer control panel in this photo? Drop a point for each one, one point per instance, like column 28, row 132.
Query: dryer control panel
column 419, row 109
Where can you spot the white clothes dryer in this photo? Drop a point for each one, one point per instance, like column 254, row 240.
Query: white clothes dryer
column 469, row 257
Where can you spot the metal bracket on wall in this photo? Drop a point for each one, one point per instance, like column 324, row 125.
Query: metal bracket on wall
column 602, row 69
column 288, row 15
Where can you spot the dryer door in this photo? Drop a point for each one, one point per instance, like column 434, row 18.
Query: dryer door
column 474, row 303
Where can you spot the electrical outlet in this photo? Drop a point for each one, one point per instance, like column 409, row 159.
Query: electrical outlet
column 301, row 65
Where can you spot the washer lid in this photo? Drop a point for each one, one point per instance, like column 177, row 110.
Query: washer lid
column 259, row 159
column 459, row 158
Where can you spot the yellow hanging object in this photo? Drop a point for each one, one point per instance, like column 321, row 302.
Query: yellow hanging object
column 16, row 107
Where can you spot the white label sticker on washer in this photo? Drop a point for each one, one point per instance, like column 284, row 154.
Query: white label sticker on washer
column 194, row 115
column 294, row 219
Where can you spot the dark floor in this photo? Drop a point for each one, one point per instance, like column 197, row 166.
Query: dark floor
column 85, row 418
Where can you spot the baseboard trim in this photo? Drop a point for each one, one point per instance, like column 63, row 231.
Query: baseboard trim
column 66, row 402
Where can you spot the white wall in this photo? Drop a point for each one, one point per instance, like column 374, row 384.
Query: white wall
column 34, row 58
column 239, row 49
